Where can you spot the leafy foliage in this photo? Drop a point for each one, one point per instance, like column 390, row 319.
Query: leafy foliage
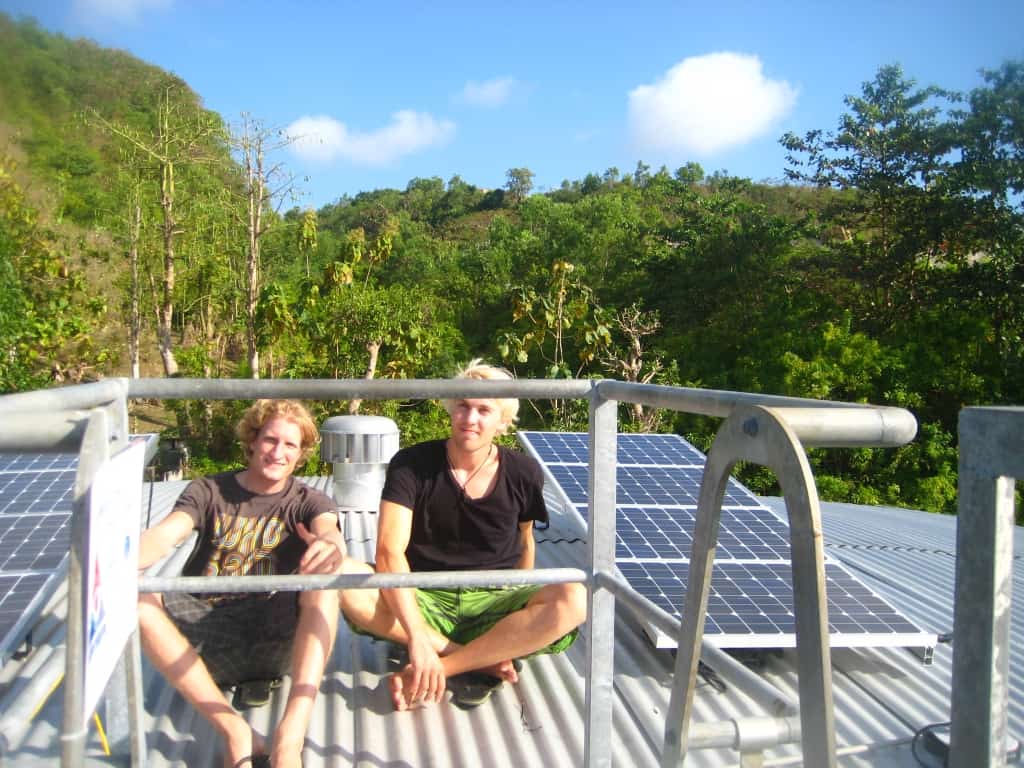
column 888, row 270
column 47, row 318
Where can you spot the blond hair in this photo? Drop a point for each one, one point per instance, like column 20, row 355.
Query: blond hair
column 262, row 411
column 507, row 406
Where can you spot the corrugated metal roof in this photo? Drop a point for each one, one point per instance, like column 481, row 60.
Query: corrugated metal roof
column 882, row 696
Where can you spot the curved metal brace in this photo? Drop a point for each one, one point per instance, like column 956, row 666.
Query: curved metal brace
column 758, row 434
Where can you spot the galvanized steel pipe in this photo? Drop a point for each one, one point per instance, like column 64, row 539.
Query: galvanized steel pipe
column 44, row 432
column 364, row 389
column 745, row 734
column 305, row 583
column 66, row 398
column 816, row 422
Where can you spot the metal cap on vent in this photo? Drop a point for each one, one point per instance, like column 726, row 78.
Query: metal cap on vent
column 360, row 448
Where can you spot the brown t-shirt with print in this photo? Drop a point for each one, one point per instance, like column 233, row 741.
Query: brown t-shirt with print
column 245, row 533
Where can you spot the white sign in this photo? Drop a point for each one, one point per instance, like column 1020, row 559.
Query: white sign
column 110, row 567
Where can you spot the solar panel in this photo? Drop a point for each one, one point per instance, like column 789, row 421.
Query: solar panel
column 17, row 594
column 36, row 492
column 33, row 492
column 650, row 484
column 750, row 604
column 37, row 462
column 33, row 542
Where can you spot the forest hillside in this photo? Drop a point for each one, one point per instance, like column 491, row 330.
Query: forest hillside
column 143, row 234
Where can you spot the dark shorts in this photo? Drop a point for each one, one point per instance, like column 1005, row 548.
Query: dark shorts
column 240, row 639
column 464, row 614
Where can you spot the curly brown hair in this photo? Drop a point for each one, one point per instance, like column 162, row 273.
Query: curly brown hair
column 261, row 411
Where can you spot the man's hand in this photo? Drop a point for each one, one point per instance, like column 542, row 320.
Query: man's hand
column 425, row 680
column 323, row 554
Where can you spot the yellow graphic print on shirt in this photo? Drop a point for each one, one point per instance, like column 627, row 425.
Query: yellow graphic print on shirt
column 244, row 545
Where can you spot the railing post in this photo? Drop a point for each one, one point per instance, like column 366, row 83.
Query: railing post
column 601, row 607
column 991, row 455
column 133, row 683
column 94, row 452
column 121, row 704
column 756, row 434
column 848, row 426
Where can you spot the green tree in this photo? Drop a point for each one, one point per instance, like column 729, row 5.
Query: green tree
column 890, row 158
column 561, row 327
column 177, row 139
column 266, row 183
column 307, row 241
column 989, row 177
column 519, row 184
column 47, row 319
column 275, row 319
column 922, row 232
column 991, row 137
column 628, row 358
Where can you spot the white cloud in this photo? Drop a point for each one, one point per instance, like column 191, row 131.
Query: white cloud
column 118, row 10
column 491, row 93
column 708, row 103
column 324, row 139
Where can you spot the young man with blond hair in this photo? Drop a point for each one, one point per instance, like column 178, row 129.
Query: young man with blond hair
column 257, row 521
column 464, row 503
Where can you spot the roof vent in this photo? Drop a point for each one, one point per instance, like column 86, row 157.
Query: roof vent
column 360, row 448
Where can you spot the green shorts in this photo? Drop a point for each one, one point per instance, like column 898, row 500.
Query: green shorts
column 464, row 614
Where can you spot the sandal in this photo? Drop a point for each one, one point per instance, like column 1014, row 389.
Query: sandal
column 253, row 761
column 254, row 693
column 472, row 689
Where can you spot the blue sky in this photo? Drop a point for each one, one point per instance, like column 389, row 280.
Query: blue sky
column 379, row 93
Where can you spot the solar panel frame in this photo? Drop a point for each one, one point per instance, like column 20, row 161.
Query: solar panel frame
column 36, row 495
column 36, row 492
column 750, row 601
column 15, row 463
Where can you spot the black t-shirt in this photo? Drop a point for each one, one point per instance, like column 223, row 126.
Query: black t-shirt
column 245, row 533
column 450, row 531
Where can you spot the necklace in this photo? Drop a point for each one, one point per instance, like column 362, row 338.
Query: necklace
column 474, row 473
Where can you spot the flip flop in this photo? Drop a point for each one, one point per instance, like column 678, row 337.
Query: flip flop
column 253, row 761
column 254, row 693
column 474, row 688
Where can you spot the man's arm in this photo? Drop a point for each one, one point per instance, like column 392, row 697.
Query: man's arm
column 156, row 542
column 529, row 547
column 393, row 532
column 325, row 546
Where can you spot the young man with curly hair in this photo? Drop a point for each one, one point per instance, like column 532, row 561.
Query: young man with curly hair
column 257, row 521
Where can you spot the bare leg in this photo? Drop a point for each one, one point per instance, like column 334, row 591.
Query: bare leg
column 314, row 639
column 369, row 611
column 175, row 658
column 551, row 613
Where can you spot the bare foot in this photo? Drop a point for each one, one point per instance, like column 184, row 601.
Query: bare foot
column 398, row 684
column 505, row 670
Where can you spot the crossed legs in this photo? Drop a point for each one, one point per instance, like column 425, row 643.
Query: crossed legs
column 177, row 660
column 555, row 610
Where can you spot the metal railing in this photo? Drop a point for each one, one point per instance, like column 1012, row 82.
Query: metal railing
column 770, row 430
column 991, row 457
